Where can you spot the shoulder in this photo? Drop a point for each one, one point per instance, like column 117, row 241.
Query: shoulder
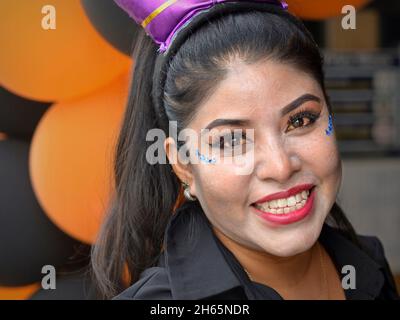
column 370, row 245
column 153, row 284
column 373, row 246
column 368, row 256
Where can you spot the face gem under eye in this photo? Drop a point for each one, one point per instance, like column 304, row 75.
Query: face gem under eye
column 204, row 158
column 330, row 126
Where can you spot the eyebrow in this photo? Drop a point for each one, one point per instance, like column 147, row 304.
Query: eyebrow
column 228, row 122
column 298, row 102
column 245, row 122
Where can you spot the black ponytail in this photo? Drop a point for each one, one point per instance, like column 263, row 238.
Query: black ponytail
column 145, row 194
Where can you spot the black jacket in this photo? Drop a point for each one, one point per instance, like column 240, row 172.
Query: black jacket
column 196, row 265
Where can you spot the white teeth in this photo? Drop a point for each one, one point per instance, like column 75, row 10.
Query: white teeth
column 273, row 204
column 285, row 205
column 286, row 210
column 291, row 201
column 282, row 203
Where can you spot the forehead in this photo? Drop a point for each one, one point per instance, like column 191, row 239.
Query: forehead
column 255, row 90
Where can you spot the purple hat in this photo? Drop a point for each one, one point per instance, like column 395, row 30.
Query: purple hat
column 161, row 19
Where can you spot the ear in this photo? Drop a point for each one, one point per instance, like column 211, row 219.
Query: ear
column 182, row 170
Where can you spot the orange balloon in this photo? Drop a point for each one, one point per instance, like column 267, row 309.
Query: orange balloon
column 318, row 9
column 71, row 159
column 18, row 293
column 3, row 136
column 44, row 64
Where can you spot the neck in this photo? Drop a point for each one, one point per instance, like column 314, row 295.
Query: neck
column 268, row 269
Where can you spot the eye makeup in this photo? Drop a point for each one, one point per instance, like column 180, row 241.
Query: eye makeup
column 297, row 121
column 233, row 143
column 228, row 140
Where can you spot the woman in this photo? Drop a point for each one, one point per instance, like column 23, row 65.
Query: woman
column 245, row 207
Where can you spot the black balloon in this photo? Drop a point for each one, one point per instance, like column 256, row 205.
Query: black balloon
column 19, row 116
column 391, row 7
column 68, row 287
column 28, row 239
column 112, row 23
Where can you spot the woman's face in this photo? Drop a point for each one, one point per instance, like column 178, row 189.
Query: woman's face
column 289, row 148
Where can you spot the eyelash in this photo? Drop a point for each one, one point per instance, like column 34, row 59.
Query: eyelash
column 231, row 136
column 312, row 116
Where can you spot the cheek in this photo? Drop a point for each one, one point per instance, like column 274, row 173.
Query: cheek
column 216, row 186
column 320, row 156
column 222, row 196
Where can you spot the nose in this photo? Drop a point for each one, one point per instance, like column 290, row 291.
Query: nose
column 276, row 161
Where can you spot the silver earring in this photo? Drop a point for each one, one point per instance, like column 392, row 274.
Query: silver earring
column 186, row 192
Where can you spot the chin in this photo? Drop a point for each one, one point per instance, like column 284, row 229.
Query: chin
column 293, row 249
column 290, row 249
column 294, row 240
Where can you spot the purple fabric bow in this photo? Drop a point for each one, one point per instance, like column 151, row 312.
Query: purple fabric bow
column 162, row 19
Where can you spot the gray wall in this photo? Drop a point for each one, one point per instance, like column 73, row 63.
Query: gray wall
column 370, row 197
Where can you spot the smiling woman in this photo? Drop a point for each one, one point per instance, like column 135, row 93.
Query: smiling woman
column 251, row 74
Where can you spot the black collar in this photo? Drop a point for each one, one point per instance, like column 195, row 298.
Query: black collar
column 197, row 269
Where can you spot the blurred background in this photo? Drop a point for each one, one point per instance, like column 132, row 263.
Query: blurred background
column 65, row 68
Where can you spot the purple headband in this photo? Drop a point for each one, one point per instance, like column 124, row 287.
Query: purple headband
column 162, row 19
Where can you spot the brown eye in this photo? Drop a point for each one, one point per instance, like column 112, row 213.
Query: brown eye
column 231, row 141
column 301, row 120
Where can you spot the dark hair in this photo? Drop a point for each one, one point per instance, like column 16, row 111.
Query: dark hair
column 145, row 195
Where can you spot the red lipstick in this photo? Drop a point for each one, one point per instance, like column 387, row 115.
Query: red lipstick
column 285, row 194
column 293, row 216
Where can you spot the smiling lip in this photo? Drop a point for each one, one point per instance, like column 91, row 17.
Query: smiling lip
column 291, row 217
column 285, row 194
